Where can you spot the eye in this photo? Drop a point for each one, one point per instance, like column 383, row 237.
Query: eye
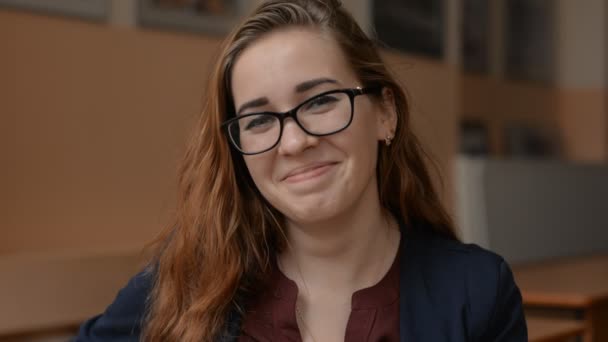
column 259, row 122
column 321, row 103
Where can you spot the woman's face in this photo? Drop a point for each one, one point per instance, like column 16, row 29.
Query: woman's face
column 309, row 178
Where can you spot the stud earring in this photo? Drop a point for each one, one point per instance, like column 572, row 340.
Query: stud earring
column 388, row 140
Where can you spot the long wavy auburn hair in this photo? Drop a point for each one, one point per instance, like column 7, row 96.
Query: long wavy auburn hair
column 220, row 244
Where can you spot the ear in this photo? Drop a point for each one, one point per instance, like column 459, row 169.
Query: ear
column 387, row 115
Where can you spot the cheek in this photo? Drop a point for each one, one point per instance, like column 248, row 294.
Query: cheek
column 260, row 168
column 362, row 138
column 365, row 152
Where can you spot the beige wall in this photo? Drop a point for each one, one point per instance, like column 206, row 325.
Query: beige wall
column 583, row 122
column 93, row 120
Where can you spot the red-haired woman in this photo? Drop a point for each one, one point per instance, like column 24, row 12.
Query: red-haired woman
column 306, row 211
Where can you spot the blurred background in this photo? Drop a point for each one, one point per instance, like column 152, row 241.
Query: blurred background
column 98, row 98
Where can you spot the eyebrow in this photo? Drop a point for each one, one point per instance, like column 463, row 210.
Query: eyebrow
column 305, row 86
column 300, row 88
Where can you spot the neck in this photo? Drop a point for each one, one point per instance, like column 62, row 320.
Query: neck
column 347, row 252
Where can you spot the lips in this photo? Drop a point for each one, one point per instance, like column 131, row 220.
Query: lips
column 308, row 171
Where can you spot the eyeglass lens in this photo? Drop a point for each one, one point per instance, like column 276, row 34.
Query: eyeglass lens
column 321, row 115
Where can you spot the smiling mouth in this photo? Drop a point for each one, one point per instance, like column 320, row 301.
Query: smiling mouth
column 307, row 173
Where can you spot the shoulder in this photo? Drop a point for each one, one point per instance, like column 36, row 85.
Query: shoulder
column 122, row 320
column 470, row 282
column 450, row 257
column 445, row 257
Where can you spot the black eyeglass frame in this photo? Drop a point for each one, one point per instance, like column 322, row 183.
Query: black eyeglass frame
column 350, row 92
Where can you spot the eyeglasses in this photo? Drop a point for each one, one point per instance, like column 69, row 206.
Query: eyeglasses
column 324, row 114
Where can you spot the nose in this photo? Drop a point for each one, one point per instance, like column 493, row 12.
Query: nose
column 294, row 140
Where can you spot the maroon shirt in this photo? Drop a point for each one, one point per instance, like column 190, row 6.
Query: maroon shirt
column 374, row 316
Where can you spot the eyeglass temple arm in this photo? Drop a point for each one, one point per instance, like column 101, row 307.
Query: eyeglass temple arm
column 366, row 90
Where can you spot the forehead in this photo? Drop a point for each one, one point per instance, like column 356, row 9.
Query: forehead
column 274, row 64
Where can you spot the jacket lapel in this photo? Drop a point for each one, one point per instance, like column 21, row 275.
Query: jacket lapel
column 417, row 314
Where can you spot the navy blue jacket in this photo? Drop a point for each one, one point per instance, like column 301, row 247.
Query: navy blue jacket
column 450, row 291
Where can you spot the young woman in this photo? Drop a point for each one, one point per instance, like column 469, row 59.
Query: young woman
column 306, row 211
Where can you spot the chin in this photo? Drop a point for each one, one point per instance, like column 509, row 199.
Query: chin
column 318, row 211
column 311, row 217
